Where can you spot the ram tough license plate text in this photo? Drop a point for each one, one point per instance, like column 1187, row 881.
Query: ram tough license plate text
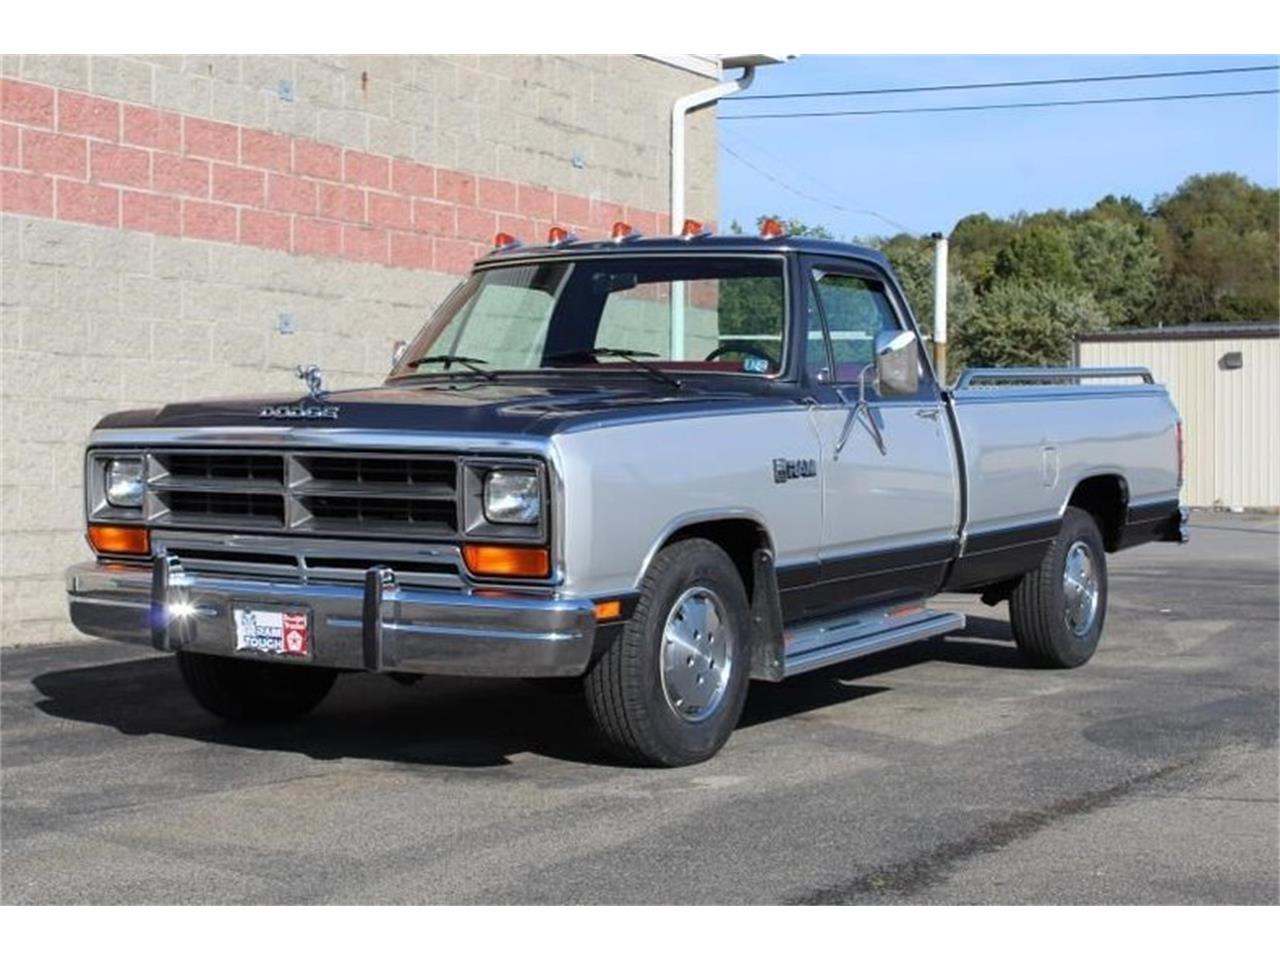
column 276, row 631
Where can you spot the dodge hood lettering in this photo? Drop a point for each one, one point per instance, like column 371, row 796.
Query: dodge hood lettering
column 299, row 411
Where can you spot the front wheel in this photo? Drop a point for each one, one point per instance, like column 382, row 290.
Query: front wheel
column 1057, row 610
column 253, row 690
column 670, row 691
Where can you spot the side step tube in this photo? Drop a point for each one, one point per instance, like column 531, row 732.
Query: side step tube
column 817, row 646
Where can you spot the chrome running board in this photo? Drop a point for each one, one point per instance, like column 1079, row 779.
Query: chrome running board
column 811, row 646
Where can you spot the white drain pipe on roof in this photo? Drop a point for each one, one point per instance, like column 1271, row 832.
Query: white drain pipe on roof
column 680, row 110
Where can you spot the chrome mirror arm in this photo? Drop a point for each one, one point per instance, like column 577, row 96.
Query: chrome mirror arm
column 861, row 409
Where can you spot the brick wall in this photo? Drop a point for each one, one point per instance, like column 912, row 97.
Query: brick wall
column 159, row 215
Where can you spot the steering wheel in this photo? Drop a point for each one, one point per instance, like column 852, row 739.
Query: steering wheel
column 738, row 348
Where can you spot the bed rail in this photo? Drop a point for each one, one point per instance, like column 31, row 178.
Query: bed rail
column 999, row 376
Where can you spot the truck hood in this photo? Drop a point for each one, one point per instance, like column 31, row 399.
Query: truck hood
column 469, row 407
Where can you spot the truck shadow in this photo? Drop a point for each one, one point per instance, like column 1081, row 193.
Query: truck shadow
column 443, row 721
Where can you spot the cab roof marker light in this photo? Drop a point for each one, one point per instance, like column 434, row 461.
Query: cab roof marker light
column 622, row 232
column 558, row 236
column 771, row 229
column 505, row 241
column 693, row 229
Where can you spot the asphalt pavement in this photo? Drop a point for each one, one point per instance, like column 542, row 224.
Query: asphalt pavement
column 947, row 772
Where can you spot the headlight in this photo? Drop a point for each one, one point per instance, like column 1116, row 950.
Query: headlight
column 512, row 496
column 124, row 483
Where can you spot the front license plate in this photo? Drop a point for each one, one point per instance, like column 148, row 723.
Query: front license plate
column 273, row 631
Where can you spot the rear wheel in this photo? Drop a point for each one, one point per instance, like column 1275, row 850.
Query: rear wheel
column 670, row 691
column 1057, row 610
column 253, row 690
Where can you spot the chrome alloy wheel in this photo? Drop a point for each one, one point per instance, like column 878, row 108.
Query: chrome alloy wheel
column 697, row 654
column 1080, row 588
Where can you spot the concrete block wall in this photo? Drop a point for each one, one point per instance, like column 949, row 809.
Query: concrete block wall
column 159, row 215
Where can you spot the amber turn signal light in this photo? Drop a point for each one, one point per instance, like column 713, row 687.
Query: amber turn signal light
column 108, row 539
column 608, row 609
column 491, row 560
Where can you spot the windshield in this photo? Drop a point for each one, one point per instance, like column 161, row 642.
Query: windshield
column 682, row 314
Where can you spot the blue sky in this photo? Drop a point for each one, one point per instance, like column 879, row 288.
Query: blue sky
column 926, row 171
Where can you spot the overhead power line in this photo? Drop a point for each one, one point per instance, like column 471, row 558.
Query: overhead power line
column 999, row 106
column 1004, row 83
column 808, row 196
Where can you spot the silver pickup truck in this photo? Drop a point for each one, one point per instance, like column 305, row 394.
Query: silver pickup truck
column 662, row 467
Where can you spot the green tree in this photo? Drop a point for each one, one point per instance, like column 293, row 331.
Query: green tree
column 975, row 240
column 1039, row 252
column 1027, row 325
column 1052, row 219
column 1125, row 209
column 1118, row 261
column 1221, row 251
column 1020, row 287
column 913, row 262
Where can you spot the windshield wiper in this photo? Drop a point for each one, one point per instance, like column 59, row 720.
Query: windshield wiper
column 631, row 356
column 449, row 359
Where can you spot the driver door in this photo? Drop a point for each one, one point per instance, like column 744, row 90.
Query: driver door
column 890, row 495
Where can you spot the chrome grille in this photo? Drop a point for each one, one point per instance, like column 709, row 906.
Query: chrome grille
column 363, row 494
column 285, row 558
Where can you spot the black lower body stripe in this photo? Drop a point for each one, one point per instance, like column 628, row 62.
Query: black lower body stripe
column 845, row 584
column 999, row 555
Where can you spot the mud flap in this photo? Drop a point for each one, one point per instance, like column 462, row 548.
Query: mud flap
column 768, row 652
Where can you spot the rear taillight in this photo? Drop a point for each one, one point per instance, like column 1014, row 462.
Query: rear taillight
column 1181, row 456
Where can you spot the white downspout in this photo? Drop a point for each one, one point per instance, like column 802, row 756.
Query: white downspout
column 680, row 110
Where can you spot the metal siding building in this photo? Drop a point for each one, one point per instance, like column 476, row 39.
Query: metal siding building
column 1225, row 380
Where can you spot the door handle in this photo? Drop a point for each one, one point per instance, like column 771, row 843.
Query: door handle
column 927, row 413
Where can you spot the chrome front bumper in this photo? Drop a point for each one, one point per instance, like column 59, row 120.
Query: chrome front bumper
column 378, row 626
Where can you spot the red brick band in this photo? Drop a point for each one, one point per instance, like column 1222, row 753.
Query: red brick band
column 71, row 156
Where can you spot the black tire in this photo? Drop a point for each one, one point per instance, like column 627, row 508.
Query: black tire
column 251, row 690
column 625, row 687
column 1038, row 604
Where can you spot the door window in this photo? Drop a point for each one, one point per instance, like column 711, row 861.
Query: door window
column 856, row 310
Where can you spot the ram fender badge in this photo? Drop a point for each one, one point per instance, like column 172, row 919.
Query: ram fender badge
column 784, row 470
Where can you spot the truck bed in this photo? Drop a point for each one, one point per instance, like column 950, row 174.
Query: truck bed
column 1029, row 439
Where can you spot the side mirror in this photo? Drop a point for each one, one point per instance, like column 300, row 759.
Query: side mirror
column 897, row 362
column 397, row 351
